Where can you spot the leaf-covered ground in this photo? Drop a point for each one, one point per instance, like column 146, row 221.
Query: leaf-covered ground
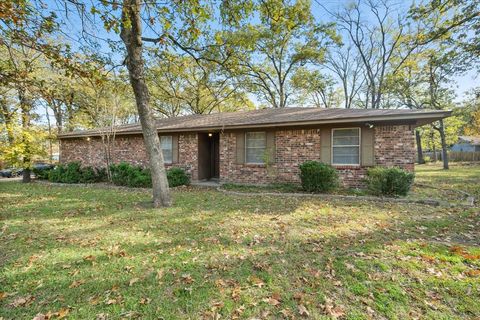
column 87, row 253
column 461, row 176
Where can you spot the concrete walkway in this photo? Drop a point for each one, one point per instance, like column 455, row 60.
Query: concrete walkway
column 2, row 179
column 209, row 184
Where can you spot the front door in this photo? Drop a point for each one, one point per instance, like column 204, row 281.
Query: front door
column 208, row 156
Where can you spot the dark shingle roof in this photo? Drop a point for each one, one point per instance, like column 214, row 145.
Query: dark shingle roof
column 272, row 118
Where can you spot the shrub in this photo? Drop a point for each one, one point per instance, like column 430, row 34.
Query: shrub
column 74, row 173
column 124, row 174
column 177, row 177
column 318, row 177
column 42, row 173
column 389, row 181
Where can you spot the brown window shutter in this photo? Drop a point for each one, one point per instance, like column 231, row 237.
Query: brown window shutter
column 367, row 150
column 175, row 148
column 326, row 145
column 271, row 146
column 240, row 142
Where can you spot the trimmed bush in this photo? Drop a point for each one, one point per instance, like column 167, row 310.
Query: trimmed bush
column 177, row 177
column 389, row 181
column 42, row 173
column 124, row 174
column 73, row 172
column 318, row 177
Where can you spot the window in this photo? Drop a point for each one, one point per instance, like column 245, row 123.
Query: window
column 346, row 146
column 166, row 145
column 255, row 145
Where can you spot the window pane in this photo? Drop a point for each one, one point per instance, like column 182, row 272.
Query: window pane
column 166, row 142
column 255, row 144
column 346, row 155
column 345, row 141
column 166, row 145
column 255, row 155
column 167, row 155
column 347, row 137
column 255, row 139
column 345, row 132
column 346, row 146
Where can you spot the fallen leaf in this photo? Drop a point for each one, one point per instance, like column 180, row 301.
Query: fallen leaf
column 473, row 273
column 3, row 295
column 145, row 300
column 236, row 293
column 94, row 300
column 298, row 296
column 271, row 301
column 133, row 281
column 333, row 311
column 159, row 275
column 286, row 313
column 256, row 281
column 102, row 316
column 39, row 316
column 89, row 258
column 22, row 301
column 187, row 278
column 303, row 311
column 76, row 283
column 62, row 313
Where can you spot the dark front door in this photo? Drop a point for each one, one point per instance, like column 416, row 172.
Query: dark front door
column 208, row 156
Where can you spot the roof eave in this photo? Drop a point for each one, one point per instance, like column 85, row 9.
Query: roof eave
column 420, row 119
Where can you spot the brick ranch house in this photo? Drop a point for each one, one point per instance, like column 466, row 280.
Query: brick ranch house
column 264, row 146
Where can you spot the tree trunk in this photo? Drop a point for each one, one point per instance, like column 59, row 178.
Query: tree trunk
column 26, row 107
column 131, row 34
column 419, row 147
column 441, row 129
column 26, row 175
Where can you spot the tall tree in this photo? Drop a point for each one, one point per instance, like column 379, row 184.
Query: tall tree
column 269, row 52
column 458, row 21
column 379, row 31
column 319, row 87
column 347, row 65
column 131, row 35
column 182, row 85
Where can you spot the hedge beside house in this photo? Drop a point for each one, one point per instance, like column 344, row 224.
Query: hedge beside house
column 123, row 174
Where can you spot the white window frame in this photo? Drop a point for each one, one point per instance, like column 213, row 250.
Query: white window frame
column 171, row 148
column 246, row 146
column 359, row 147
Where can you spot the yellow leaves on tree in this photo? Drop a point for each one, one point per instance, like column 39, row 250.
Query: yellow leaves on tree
column 28, row 144
column 474, row 128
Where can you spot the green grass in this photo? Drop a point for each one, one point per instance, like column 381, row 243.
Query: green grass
column 91, row 252
column 431, row 183
column 460, row 176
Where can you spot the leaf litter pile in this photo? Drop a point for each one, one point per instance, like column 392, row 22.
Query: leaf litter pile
column 92, row 253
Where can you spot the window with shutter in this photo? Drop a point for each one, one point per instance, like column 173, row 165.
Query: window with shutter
column 255, row 145
column 346, row 146
column 167, row 148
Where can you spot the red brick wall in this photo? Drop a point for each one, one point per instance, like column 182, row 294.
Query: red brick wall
column 188, row 154
column 394, row 146
column 292, row 147
column 130, row 149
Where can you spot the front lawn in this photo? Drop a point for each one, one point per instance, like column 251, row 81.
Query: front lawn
column 460, row 176
column 87, row 253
